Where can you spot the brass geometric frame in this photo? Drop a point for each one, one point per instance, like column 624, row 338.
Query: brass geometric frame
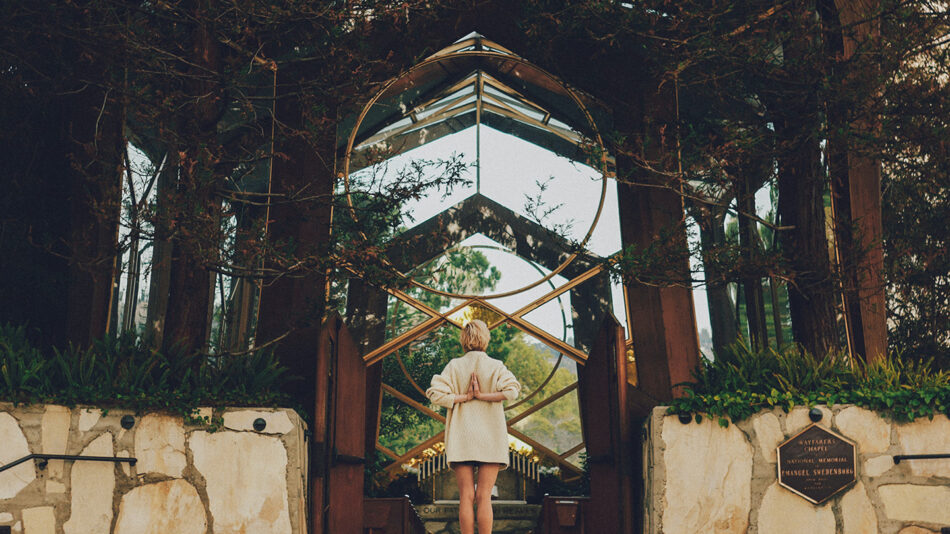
column 437, row 58
column 437, row 319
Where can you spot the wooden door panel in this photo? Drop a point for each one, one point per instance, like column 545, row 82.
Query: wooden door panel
column 602, row 385
column 339, row 434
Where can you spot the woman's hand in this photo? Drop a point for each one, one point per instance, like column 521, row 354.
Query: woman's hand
column 476, row 392
column 487, row 397
column 468, row 395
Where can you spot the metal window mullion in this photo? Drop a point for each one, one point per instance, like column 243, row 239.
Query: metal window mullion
column 436, row 116
column 553, row 455
column 567, row 389
column 403, row 340
column 415, row 303
column 468, row 79
column 406, row 399
column 576, row 281
column 509, row 102
column 548, row 339
column 566, row 454
column 383, row 449
column 524, row 118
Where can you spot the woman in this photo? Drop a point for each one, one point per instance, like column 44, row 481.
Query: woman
column 472, row 388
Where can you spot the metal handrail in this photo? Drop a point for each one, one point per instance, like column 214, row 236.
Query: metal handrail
column 44, row 459
column 899, row 457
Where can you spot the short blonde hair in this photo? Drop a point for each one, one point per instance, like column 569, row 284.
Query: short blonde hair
column 475, row 335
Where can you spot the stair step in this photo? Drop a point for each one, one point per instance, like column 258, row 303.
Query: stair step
column 511, row 517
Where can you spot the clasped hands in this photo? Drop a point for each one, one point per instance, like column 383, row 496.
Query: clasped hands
column 474, row 392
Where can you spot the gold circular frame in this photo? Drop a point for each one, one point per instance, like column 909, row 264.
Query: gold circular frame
column 482, row 53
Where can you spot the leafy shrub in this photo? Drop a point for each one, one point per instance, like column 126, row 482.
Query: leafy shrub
column 22, row 366
column 741, row 382
column 126, row 372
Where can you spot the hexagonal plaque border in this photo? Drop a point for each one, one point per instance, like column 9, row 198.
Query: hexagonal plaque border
column 853, row 463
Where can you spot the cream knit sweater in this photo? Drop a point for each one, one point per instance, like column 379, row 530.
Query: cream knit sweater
column 474, row 430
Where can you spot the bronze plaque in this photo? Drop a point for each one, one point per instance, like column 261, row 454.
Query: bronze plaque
column 816, row 463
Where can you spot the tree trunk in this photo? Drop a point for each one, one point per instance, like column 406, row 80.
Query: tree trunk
column 661, row 316
column 159, row 281
column 776, row 312
column 722, row 317
column 856, row 188
column 198, row 208
column 796, row 111
column 93, row 120
column 749, row 246
column 801, row 185
column 60, row 211
column 293, row 305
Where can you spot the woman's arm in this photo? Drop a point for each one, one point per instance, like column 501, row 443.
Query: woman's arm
column 507, row 384
column 496, row 396
column 440, row 392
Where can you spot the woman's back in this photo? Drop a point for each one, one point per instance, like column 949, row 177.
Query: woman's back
column 474, row 430
column 472, row 388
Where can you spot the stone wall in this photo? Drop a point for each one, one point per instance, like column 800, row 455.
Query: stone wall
column 709, row 479
column 187, row 479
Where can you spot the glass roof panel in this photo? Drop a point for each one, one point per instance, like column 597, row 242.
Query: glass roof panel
column 378, row 178
column 558, row 193
column 506, row 100
column 464, row 96
column 503, row 67
column 559, row 124
column 401, row 123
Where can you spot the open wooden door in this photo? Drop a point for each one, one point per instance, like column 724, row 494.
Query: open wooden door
column 602, row 386
column 339, row 433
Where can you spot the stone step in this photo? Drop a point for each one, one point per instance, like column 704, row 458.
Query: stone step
column 511, row 517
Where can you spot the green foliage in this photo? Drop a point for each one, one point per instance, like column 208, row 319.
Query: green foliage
column 558, row 425
column 742, row 382
column 126, row 372
column 22, row 372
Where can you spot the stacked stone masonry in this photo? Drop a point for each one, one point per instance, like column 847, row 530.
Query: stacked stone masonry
column 709, row 479
column 189, row 479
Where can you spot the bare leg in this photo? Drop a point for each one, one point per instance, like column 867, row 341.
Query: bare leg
column 487, row 473
column 465, row 476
